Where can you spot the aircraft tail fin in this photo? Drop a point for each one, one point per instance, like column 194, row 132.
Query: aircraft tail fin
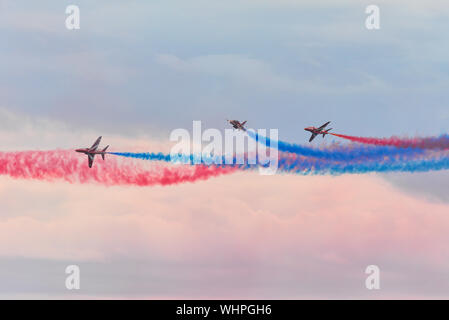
column 326, row 132
column 104, row 150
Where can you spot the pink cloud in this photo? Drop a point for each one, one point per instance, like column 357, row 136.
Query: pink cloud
column 244, row 222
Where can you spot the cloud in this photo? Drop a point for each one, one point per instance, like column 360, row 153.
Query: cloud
column 305, row 58
column 242, row 236
column 432, row 186
column 256, row 73
column 20, row 131
column 238, row 68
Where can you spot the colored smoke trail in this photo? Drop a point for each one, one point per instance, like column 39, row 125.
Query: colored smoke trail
column 180, row 158
column 144, row 155
column 70, row 167
column 309, row 166
column 338, row 152
column 441, row 142
column 292, row 163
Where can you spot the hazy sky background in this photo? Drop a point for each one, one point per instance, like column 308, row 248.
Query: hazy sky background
column 137, row 70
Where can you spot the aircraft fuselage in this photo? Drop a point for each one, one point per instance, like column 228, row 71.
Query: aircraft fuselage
column 237, row 124
column 88, row 151
column 314, row 130
column 93, row 151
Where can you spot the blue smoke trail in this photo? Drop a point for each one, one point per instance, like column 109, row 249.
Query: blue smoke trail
column 180, row 158
column 320, row 167
column 144, row 156
column 311, row 166
column 337, row 153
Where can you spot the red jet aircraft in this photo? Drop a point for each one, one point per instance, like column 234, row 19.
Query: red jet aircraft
column 92, row 151
column 237, row 124
column 317, row 131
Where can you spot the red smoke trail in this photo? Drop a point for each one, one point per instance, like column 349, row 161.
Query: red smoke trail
column 70, row 167
column 441, row 142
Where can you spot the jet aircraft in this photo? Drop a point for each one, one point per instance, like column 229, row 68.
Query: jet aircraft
column 237, row 124
column 93, row 151
column 317, row 131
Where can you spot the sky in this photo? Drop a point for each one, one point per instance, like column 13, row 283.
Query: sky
column 135, row 71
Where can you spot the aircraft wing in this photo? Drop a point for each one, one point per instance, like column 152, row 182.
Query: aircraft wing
column 312, row 137
column 243, row 123
column 324, row 125
column 91, row 159
column 96, row 144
